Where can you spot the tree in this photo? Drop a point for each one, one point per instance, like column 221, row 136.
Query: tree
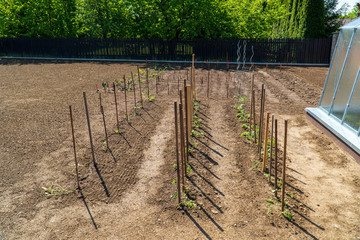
column 306, row 20
column 346, row 13
column 331, row 17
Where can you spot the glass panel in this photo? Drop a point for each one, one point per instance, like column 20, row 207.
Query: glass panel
column 353, row 114
column 336, row 67
column 348, row 78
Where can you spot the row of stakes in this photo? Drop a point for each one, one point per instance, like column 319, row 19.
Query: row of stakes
column 263, row 141
column 189, row 94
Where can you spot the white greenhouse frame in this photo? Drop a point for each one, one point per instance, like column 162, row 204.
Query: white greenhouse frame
column 339, row 105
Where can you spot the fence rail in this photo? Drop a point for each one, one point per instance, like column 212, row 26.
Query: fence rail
column 265, row 50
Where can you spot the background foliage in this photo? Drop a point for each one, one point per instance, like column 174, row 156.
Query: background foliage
column 167, row 19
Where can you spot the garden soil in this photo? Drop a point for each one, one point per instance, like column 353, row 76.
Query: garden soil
column 128, row 190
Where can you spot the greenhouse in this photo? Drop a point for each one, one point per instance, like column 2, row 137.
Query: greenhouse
column 339, row 106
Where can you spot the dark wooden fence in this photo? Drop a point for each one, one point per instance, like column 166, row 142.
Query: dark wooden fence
column 265, row 50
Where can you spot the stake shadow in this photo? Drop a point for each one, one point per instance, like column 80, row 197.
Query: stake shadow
column 110, row 151
column 206, row 168
column 202, row 104
column 204, row 194
column 207, row 133
column 302, row 229
column 199, row 112
column 205, row 125
column 157, row 105
column 101, row 179
column 300, row 202
column 210, row 184
column 147, row 112
column 296, row 179
column 218, row 153
column 296, row 189
column 307, row 219
column 217, row 143
column 291, row 169
column 130, row 124
column 196, row 223
column 206, row 156
column 87, row 207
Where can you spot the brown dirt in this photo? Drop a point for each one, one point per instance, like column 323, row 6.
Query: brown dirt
column 129, row 194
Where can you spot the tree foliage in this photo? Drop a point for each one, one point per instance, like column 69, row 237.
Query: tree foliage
column 305, row 19
column 162, row 19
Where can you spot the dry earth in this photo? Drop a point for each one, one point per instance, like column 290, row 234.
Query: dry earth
column 128, row 193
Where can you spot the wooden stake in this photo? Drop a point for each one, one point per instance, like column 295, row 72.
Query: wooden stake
column 183, row 168
column 142, row 101
column 106, row 136
column 271, row 146
column 156, row 84
column 132, row 79
column 73, row 138
column 178, row 85
column 116, row 110
column 147, row 82
column 266, row 142
column 208, row 84
column 276, row 158
column 126, row 110
column 262, row 121
column 284, row 170
column 177, row 153
column 89, row 129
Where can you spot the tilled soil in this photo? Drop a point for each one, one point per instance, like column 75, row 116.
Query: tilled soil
column 128, row 192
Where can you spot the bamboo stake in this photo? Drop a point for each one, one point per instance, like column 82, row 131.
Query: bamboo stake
column 260, row 117
column 254, row 115
column 100, row 101
column 284, row 170
column 251, row 104
column 133, row 83
column 168, row 85
column 89, row 129
column 194, row 80
column 178, row 85
column 142, row 101
column 177, row 153
column 126, row 109
column 188, row 107
column 147, row 82
column 186, row 122
column 276, row 158
column 73, row 138
column 266, row 142
column 180, row 97
column 116, row 110
column 271, row 147
column 106, row 136
column 183, row 169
